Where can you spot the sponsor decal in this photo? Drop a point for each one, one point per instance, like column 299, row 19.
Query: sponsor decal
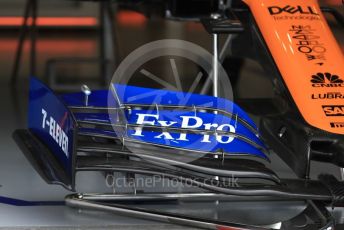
column 296, row 12
column 326, row 80
column 333, row 110
column 291, row 10
column 55, row 131
column 308, row 43
column 329, row 95
column 187, row 122
column 337, row 124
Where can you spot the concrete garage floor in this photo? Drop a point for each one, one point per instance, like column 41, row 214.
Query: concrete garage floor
column 18, row 180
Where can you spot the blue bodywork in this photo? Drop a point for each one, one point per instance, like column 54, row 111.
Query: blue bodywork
column 52, row 121
column 132, row 95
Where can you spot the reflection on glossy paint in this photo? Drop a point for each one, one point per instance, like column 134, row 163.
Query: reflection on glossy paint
column 289, row 38
column 291, row 49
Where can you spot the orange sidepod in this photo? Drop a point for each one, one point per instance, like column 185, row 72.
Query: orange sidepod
column 308, row 57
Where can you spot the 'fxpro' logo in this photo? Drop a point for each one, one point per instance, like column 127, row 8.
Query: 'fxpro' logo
column 326, row 80
column 273, row 10
column 333, row 110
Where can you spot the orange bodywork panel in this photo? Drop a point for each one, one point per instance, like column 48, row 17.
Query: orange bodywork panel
column 307, row 56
